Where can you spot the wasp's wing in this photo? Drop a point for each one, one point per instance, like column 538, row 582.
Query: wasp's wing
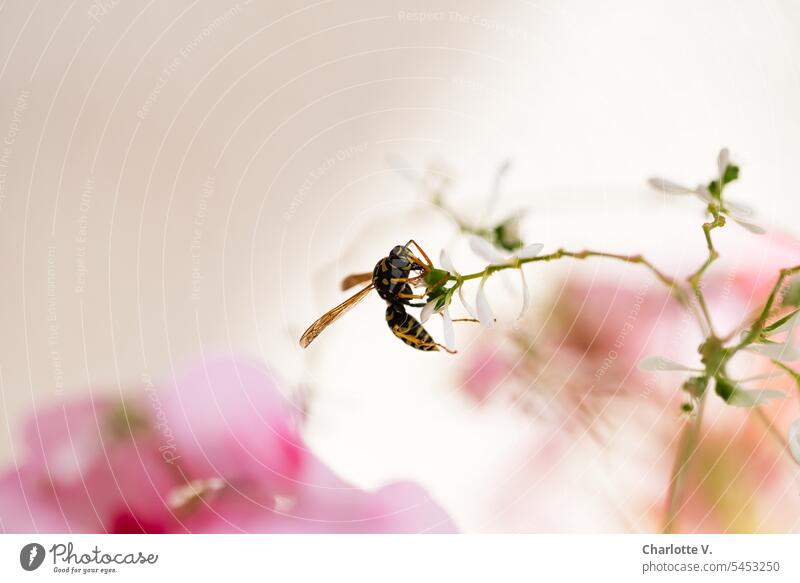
column 327, row 319
column 355, row 279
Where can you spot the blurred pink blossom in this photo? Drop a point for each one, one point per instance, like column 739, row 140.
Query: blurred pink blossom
column 573, row 369
column 217, row 450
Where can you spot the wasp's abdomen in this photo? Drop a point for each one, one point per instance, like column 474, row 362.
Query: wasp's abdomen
column 408, row 329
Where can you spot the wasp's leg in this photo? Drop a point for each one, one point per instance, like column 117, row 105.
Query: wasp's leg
column 467, row 320
column 411, row 296
column 417, row 280
column 447, row 350
column 428, row 263
column 441, row 282
column 414, row 280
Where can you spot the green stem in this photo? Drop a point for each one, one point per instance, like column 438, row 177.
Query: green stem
column 758, row 326
column 670, row 282
column 683, row 460
column 793, row 373
column 695, row 279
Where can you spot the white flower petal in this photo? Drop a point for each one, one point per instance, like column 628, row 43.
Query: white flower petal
column 669, row 187
column 529, row 251
column 783, row 351
column 723, row 160
column 526, row 294
column 660, row 363
column 739, row 209
column 742, row 214
column 427, row 311
column 487, row 251
column 761, row 377
column 470, row 310
column 446, row 262
column 485, row 314
column 794, row 439
column 703, row 194
column 752, row 227
column 448, row 332
column 754, row 398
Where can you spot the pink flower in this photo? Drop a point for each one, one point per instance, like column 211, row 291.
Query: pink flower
column 227, row 420
column 92, row 466
column 218, row 450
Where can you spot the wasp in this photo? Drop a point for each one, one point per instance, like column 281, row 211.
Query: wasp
column 393, row 278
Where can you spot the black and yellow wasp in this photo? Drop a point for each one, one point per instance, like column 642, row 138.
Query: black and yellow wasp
column 393, row 277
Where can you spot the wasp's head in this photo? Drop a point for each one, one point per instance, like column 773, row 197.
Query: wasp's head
column 401, row 257
column 399, row 251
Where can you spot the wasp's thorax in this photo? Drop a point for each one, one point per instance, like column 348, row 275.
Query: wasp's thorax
column 392, row 272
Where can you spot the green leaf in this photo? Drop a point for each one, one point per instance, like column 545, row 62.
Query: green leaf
column 731, row 173
column 506, row 234
column 724, row 388
column 713, row 188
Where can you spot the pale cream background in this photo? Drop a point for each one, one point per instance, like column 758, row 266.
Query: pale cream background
column 255, row 99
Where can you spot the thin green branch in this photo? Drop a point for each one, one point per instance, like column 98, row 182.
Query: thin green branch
column 670, row 282
column 758, row 326
column 791, row 372
column 695, row 279
column 683, row 460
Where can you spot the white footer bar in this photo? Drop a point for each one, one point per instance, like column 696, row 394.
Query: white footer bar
column 389, row 558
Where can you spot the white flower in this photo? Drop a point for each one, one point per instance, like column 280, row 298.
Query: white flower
column 739, row 397
column 740, row 213
column 428, row 310
column 794, row 439
column 447, row 263
column 447, row 321
column 669, row 187
column 444, row 309
column 723, row 161
column 447, row 330
column 489, row 252
column 485, row 314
